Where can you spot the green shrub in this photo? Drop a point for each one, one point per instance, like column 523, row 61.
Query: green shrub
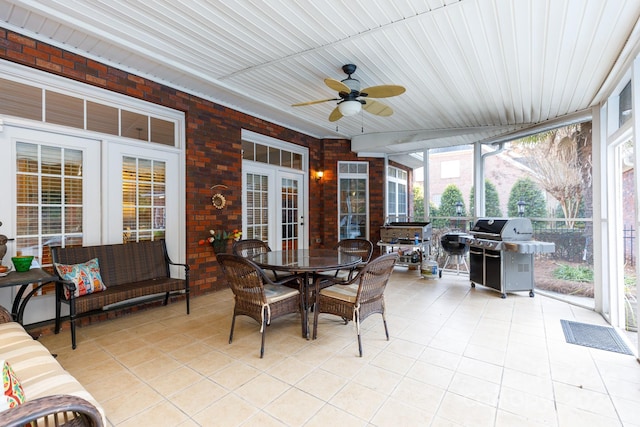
column 578, row 273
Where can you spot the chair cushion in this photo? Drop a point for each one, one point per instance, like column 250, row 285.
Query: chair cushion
column 341, row 292
column 13, row 392
column 85, row 276
column 275, row 293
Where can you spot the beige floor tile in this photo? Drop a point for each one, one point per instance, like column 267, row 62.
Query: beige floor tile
column 475, row 388
column 569, row 416
column 209, row 363
column 198, row 396
column 134, row 401
column 465, row 411
column 262, row 390
column 627, row 409
column 171, row 382
column 321, row 384
column 190, row 352
column 294, row 407
column 234, row 375
column 290, row 370
column 393, row 362
column 329, row 415
column 484, row 353
column 263, row 419
column 140, row 355
column 229, row 411
column 529, row 406
column 345, row 364
column 416, row 393
column 478, row 368
column 358, row 400
column 540, row 386
column 457, row 356
column 588, row 400
column 441, row 358
column 395, row 413
column 153, row 368
column 431, row 374
column 578, row 374
column 508, row 419
column 111, row 386
column 378, row 379
column 163, row 413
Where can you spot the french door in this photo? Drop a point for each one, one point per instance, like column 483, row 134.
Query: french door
column 273, row 208
column 50, row 198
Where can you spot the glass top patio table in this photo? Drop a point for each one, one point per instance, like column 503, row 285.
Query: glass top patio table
column 24, row 279
column 306, row 260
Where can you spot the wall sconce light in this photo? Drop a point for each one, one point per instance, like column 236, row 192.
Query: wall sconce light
column 319, row 175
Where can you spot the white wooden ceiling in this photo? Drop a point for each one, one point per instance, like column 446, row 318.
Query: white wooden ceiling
column 474, row 69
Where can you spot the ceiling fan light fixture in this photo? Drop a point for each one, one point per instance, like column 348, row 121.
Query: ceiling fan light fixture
column 349, row 108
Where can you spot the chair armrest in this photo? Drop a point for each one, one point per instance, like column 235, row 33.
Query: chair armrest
column 71, row 287
column 287, row 280
column 186, row 266
column 34, row 409
column 5, row 315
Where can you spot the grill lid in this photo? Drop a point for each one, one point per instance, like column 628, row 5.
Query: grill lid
column 503, row 229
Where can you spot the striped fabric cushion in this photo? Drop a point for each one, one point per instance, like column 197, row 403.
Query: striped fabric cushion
column 37, row 370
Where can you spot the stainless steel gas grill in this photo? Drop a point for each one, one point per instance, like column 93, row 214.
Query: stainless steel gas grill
column 501, row 254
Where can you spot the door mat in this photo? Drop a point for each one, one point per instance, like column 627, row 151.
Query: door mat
column 594, row 336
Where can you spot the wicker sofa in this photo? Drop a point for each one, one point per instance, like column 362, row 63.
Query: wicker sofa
column 49, row 391
column 129, row 272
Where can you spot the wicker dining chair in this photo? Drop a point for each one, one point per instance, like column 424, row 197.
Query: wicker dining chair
column 248, row 248
column 257, row 296
column 359, row 247
column 358, row 298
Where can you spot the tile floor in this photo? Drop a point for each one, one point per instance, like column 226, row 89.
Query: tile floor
column 457, row 356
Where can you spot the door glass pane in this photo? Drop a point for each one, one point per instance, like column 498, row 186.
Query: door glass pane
column 352, row 203
column 143, row 199
column 49, row 199
column 257, row 207
column 289, row 202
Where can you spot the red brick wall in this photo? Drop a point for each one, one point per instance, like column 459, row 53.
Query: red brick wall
column 213, row 152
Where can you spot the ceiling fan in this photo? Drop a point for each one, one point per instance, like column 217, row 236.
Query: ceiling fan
column 352, row 99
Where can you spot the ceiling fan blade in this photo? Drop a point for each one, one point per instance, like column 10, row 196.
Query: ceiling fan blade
column 315, row 102
column 383, row 91
column 377, row 108
column 335, row 115
column 337, row 85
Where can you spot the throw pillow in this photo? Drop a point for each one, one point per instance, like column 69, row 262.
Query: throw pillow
column 13, row 393
column 85, row 276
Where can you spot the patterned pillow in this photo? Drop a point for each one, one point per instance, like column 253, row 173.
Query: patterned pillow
column 85, row 276
column 13, row 393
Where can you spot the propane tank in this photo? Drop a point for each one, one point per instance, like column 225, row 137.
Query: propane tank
column 429, row 269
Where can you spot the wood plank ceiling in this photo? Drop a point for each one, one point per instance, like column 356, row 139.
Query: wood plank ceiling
column 473, row 69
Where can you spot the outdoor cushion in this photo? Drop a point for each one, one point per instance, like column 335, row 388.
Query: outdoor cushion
column 13, row 393
column 85, row 276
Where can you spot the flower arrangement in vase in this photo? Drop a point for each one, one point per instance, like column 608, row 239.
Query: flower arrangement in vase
column 220, row 241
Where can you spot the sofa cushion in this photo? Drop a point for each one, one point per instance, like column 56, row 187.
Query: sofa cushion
column 85, row 276
column 39, row 373
column 13, row 392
